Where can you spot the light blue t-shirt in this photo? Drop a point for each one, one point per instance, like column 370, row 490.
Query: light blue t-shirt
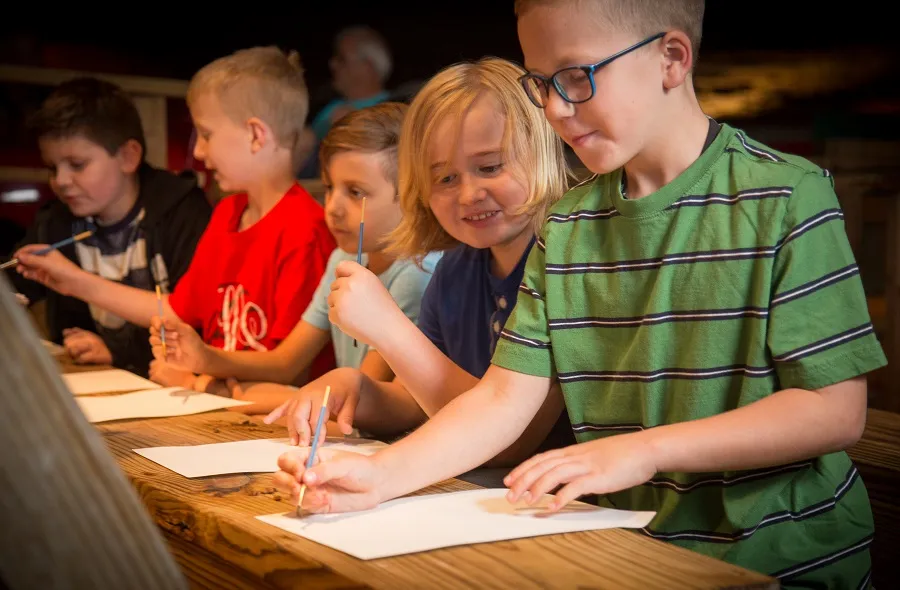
column 405, row 282
column 322, row 122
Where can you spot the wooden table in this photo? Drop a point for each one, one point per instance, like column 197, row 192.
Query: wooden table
column 210, row 526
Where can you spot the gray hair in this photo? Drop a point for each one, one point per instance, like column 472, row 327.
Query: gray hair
column 372, row 47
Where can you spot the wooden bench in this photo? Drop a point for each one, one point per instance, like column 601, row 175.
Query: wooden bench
column 877, row 456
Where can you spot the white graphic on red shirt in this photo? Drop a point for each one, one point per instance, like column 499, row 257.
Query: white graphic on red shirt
column 242, row 322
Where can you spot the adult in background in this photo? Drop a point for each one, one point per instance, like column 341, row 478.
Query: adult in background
column 360, row 67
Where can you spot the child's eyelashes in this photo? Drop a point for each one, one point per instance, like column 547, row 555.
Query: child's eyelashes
column 488, row 170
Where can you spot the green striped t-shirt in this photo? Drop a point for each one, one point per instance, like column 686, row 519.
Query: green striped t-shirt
column 732, row 282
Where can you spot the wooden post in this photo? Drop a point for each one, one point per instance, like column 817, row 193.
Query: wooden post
column 70, row 518
column 152, row 110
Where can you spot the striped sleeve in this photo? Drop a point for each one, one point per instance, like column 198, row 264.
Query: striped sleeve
column 524, row 344
column 820, row 332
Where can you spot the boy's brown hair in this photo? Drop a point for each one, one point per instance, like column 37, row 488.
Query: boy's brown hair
column 535, row 152
column 260, row 82
column 640, row 17
column 94, row 109
column 374, row 129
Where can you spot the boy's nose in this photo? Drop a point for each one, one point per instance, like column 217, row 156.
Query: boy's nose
column 200, row 149
column 556, row 108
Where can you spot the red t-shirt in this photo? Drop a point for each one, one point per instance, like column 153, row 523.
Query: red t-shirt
column 246, row 290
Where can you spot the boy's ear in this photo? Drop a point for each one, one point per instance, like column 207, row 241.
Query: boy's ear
column 678, row 59
column 130, row 155
column 260, row 134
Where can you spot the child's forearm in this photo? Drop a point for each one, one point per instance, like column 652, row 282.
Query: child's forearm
column 471, row 429
column 385, row 407
column 134, row 305
column 281, row 365
column 790, row 425
column 431, row 378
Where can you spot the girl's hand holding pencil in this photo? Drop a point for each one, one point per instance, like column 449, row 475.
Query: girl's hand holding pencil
column 360, row 305
column 184, row 349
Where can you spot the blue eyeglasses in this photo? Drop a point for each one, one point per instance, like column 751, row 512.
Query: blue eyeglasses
column 574, row 84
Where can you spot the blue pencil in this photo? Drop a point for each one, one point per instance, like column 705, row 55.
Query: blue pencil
column 362, row 223
column 315, row 442
column 52, row 247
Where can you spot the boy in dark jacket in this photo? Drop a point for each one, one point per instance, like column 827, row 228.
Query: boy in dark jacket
column 146, row 221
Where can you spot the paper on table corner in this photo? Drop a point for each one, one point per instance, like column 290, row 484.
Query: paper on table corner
column 243, row 456
column 152, row 403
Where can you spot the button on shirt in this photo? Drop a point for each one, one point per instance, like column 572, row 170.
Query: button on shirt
column 465, row 307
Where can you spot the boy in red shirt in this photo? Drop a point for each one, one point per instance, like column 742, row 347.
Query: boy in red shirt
column 265, row 249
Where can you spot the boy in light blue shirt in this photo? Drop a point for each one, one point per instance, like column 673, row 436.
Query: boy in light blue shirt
column 359, row 165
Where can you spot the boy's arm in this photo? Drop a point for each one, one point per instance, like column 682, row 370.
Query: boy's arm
column 57, row 272
column 790, row 425
column 375, row 367
column 470, row 430
column 281, row 365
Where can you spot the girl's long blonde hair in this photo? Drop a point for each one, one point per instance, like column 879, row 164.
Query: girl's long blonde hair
column 533, row 151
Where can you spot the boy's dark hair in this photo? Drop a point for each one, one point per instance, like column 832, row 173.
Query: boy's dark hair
column 642, row 17
column 94, row 109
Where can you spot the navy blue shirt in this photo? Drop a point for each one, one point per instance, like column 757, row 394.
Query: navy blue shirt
column 464, row 309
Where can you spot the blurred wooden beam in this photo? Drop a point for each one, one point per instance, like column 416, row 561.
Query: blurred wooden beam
column 143, row 85
column 24, row 175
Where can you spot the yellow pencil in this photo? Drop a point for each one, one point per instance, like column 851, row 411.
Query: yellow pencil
column 162, row 326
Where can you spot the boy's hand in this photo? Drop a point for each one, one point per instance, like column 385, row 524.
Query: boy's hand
column 53, row 270
column 338, row 482
column 168, row 376
column 302, row 411
column 601, row 466
column 359, row 304
column 86, row 347
column 185, row 350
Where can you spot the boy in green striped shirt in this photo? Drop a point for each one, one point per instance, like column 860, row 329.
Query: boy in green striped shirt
column 698, row 304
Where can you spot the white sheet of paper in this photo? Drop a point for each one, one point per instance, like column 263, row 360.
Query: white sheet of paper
column 153, row 403
column 245, row 456
column 108, row 381
column 423, row 523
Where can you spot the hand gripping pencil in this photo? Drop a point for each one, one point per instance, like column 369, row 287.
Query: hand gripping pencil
column 312, row 449
column 48, row 249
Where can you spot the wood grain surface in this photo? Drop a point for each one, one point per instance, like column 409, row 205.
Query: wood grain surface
column 211, row 528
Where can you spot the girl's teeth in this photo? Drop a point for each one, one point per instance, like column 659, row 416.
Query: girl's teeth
column 482, row 216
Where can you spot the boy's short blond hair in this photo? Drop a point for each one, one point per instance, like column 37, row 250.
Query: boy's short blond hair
column 258, row 82
column 639, row 17
column 374, row 129
column 533, row 151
